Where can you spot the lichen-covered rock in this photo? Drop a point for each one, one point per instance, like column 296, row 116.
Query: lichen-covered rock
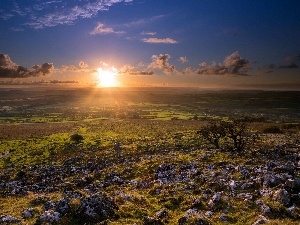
column 8, row 219
column 214, row 200
column 193, row 216
column 62, row 206
column 147, row 220
column 162, row 214
column 50, row 216
column 223, row 217
column 261, row 220
column 97, row 207
column 263, row 207
column 28, row 213
column 282, row 196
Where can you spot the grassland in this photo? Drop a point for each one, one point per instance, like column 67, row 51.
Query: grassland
column 141, row 148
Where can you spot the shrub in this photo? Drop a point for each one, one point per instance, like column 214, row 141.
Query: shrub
column 76, row 138
column 235, row 132
column 272, row 130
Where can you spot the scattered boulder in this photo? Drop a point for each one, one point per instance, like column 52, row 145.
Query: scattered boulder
column 282, row 196
column 214, row 200
column 261, row 220
column 162, row 214
column 147, row 220
column 97, row 207
column 223, row 217
column 50, row 216
column 27, row 213
column 192, row 216
column 263, row 207
column 8, row 219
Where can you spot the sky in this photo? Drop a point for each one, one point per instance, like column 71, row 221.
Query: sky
column 193, row 43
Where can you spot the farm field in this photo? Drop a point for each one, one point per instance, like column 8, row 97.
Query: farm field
column 140, row 156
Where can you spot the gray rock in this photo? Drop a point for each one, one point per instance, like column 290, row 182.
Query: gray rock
column 50, row 216
column 282, row 196
column 162, row 214
column 147, row 220
column 261, row 220
column 214, row 200
column 8, row 219
column 28, row 213
column 97, row 207
column 223, row 217
column 263, row 207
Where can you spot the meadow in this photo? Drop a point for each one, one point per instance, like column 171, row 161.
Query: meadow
column 136, row 156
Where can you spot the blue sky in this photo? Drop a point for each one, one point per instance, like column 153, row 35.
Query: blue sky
column 152, row 42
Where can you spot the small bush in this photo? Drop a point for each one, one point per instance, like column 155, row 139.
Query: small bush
column 76, row 138
column 235, row 133
column 272, row 130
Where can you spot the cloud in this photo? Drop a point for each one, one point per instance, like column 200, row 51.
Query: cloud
column 144, row 21
column 129, row 70
column 102, row 29
column 183, row 59
column 44, row 69
column 289, row 66
column 148, row 33
column 40, row 14
column 82, row 68
column 9, row 69
column 213, row 70
column 162, row 62
column 292, row 59
column 235, row 63
column 159, row 40
column 203, row 64
column 232, row 64
column 83, row 65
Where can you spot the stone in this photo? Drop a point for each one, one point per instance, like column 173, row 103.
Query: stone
column 263, row 207
column 261, row 220
column 97, row 207
column 282, row 196
column 50, row 216
column 162, row 214
column 8, row 219
column 223, row 217
column 147, row 220
column 62, row 206
column 27, row 213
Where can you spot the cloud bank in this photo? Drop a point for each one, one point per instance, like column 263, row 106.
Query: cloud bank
column 9, row 69
column 232, row 64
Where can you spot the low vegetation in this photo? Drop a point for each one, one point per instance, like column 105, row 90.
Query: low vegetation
column 208, row 169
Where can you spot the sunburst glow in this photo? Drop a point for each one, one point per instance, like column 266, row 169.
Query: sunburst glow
column 107, row 78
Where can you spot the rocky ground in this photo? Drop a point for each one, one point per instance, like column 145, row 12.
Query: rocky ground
column 161, row 186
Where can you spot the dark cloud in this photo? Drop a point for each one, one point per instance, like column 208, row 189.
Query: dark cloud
column 141, row 73
column 272, row 66
column 292, row 59
column 9, row 69
column 235, row 63
column 232, row 64
column 214, row 70
column 289, row 66
column 162, row 62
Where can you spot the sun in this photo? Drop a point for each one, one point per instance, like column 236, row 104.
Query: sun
column 107, row 78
